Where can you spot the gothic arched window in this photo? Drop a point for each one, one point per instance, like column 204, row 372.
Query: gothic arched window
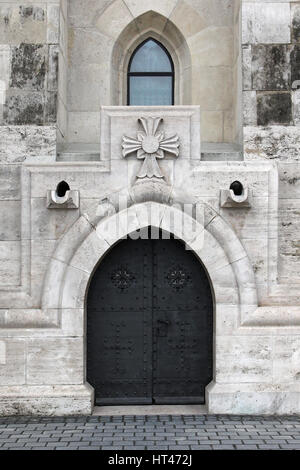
column 150, row 76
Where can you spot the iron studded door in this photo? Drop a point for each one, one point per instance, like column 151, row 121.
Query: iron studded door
column 182, row 320
column 149, row 325
column 119, row 325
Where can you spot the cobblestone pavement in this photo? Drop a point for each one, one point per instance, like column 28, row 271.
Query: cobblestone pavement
column 150, row 432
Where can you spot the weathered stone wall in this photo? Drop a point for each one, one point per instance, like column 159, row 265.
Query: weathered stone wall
column 47, row 255
column 271, row 96
column 29, row 56
column 103, row 32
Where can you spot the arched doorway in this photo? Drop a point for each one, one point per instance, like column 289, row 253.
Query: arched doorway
column 149, row 324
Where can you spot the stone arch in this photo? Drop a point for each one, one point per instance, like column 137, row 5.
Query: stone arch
column 155, row 25
column 212, row 241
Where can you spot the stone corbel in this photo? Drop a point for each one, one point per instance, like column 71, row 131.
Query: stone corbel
column 228, row 199
column 69, row 201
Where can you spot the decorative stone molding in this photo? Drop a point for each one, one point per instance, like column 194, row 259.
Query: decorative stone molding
column 149, row 146
column 215, row 243
column 119, row 121
column 69, row 201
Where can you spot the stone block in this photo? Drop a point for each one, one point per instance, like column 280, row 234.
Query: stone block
column 10, row 182
column 63, row 78
column 296, row 107
column 212, row 47
column 63, row 400
column 214, row 92
column 10, row 263
column 295, row 64
column 120, row 121
column 74, row 289
column 226, row 319
column 53, row 13
column 10, row 215
column 114, row 19
column 252, row 223
column 82, row 12
column 289, row 181
column 54, row 361
column 90, row 253
column 247, row 67
column 209, row 178
column 29, row 66
column 252, row 399
column 2, row 353
column 62, row 118
column 289, row 227
column 270, row 67
column 90, row 179
column 88, row 94
column 23, row 23
column 257, row 251
column 50, row 225
column 5, row 70
column 12, row 370
column 17, row 143
column 188, row 20
column 273, row 143
column 24, row 108
column 41, row 251
column 63, row 36
column 84, row 127
column 50, row 109
column 286, row 359
column 249, row 108
column 266, row 23
column 138, row 7
column 274, row 108
column 212, row 126
column 241, row 359
column 295, row 12
column 288, row 273
column 52, row 71
column 72, row 321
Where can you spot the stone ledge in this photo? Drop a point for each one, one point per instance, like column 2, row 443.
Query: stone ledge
column 56, row 400
column 253, row 399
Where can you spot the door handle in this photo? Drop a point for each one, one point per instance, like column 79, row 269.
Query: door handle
column 162, row 327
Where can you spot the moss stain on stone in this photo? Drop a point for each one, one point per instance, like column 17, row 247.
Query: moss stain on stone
column 28, row 66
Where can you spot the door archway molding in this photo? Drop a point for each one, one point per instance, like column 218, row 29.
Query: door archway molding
column 213, row 241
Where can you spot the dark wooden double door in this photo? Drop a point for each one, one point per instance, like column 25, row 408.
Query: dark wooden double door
column 149, row 325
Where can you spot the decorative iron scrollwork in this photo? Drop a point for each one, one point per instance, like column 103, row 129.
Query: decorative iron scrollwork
column 178, row 278
column 122, row 278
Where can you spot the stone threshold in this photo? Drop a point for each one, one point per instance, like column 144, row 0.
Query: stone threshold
column 144, row 410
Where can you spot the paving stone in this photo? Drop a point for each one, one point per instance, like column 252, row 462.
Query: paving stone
column 153, row 433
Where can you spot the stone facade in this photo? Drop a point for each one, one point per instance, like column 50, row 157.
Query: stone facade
column 63, row 71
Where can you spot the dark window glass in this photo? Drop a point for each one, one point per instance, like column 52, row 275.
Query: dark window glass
column 150, row 76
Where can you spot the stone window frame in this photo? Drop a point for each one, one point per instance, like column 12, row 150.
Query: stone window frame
column 171, row 39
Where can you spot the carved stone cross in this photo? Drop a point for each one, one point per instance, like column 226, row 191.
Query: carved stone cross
column 149, row 146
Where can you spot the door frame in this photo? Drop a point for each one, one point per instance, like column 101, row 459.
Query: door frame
column 213, row 241
column 178, row 251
